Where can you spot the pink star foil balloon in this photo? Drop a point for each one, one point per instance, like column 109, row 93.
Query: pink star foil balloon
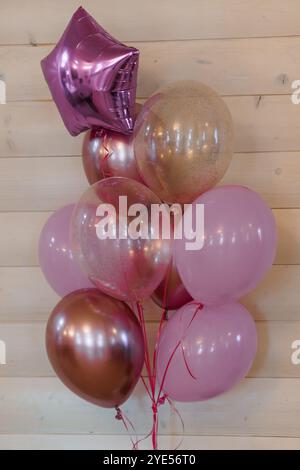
column 92, row 77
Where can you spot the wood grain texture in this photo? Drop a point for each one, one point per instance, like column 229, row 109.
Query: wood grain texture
column 262, row 124
column 26, row 297
column 119, row 442
column 255, row 407
column 248, row 51
column 233, row 67
column 38, row 21
column 20, row 233
column 59, row 181
column 288, row 225
column 26, row 354
column 278, row 296
column 274, row 175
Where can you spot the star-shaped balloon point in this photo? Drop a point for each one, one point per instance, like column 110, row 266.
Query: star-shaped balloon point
column 92, row 77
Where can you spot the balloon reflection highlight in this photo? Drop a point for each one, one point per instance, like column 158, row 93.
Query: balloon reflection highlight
column 183, row 141
column 95, row 346
column 56, row 256
column 122, row 266
column 240, row 242
column 212, row 349
column 92, row 77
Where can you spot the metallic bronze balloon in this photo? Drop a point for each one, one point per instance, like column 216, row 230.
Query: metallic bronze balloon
column 183, row 141
column 171, row 293
column 95, row 346
column 106, row 153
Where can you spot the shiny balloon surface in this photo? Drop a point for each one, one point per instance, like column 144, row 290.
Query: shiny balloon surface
column 239, row 245
column 92, row 77
column 183, row 141
column 56, row 257
column 123, row 267
column 208, row 351
column 106, row 153
column 95, row 346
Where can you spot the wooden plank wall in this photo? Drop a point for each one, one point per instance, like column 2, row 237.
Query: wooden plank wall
column 248, row 50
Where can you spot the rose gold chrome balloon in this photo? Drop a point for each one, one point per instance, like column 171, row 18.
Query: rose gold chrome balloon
column 183, row 141
column 95, row 345
column 106, row 153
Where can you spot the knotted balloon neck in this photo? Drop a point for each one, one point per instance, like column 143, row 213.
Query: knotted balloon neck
column 159, row 402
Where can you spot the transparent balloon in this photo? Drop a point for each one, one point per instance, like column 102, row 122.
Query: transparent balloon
column 124, row 267
column 183, row 141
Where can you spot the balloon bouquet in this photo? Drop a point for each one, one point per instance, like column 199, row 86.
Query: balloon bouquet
column 175, row 149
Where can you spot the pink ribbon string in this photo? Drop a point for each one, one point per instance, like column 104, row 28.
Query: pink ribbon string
column 151, row 368
column 120, row 416
column 159, row 399
column 179, row 344
column 151, row 379
column 156, row 402
column 103, row 162
column 163, row 319
column 175, row 411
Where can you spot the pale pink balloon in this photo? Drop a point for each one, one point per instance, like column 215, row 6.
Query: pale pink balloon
column 239, row 245
column 125, row 268
column 56, row 258
column 203, row 353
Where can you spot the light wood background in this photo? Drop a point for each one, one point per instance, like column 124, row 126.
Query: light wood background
column 248, row 50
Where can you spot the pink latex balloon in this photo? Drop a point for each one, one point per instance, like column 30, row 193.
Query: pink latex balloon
column 239, row 245
column 125, row 268
column 214, row 349
column 92, row 77
column 56, row 258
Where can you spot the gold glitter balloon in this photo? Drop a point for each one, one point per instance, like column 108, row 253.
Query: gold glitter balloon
column 183, row 141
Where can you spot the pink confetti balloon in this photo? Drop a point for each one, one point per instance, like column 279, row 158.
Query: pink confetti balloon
column 56, row 256
column 239, row 245
column 214, row 349
column 123, row 267
column 92, row 77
